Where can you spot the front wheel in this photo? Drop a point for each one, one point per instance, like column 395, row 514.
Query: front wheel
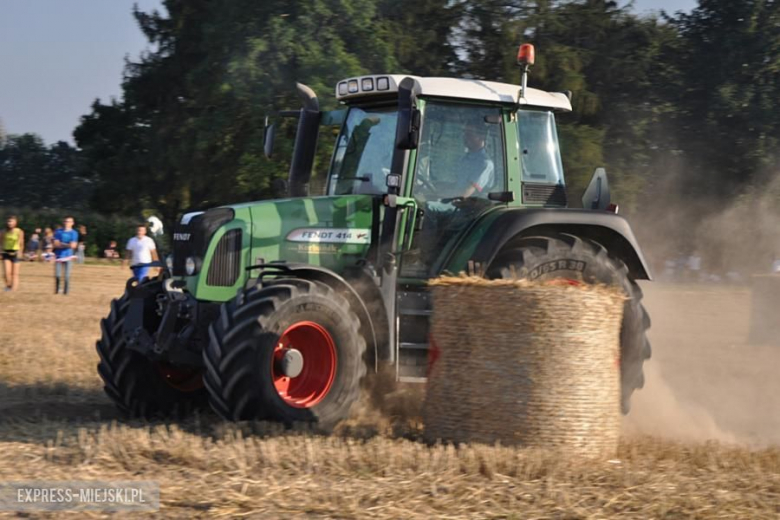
column 577, row 260
column 290, row 350
column 141, row 387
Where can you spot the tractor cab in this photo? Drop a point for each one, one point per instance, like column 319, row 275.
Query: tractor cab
column 445, row 151
column 467, row 133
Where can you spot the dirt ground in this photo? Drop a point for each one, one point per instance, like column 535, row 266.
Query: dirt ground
column 704, row 384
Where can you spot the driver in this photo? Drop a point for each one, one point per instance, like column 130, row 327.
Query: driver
column 474, row 169
column 473, row 174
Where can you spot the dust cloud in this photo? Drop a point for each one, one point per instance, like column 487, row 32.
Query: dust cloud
column 710, row 378
column 385, row 407
column 658, row 411
column 707, row 380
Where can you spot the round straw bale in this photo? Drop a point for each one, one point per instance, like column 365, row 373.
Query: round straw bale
column 527, row 364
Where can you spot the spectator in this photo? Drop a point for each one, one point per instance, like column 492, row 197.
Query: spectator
column 12, row 239
column 82, row 247
column 670, row 270
column 140, row 251
column 111, row 252
column 48, row 246
column 65, row 243
column 34, row 245
column 694, row 266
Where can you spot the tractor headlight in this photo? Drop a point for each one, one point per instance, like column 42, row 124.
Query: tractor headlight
column 169, row 262
column 190, row 265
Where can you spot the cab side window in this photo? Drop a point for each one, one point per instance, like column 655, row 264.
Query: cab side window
column 461, row 152
column 540, row 156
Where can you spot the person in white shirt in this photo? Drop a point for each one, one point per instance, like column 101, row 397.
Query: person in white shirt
column 140, row 250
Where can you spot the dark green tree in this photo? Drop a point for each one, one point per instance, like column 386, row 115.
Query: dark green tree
column 730, row 61
column 422, row 35
column 188, row 132
column 23, row 167
column 38, row 176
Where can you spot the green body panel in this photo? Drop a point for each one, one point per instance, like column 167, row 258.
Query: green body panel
column 513, row 157
column 467, row 243
column 285, row 230
column 331, row 232
column 197, row 285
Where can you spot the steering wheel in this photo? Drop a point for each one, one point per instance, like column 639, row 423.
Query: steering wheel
column 452, row 200
column 464, row 202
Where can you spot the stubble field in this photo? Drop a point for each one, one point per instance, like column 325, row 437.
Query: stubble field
column 704, row 383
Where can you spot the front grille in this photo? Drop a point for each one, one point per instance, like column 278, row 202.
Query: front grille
column 226, row 262
column 192, row 239
column 547, row 194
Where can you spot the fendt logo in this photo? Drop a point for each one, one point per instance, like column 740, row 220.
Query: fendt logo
column 181, row 237
column 331, row 235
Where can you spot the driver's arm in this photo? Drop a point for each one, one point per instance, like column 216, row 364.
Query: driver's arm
column 481, row 181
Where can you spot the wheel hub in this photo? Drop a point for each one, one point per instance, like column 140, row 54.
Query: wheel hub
column 291, row 362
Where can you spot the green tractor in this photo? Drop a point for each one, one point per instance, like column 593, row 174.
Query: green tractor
column 280, row 309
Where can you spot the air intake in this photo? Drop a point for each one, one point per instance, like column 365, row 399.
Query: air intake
column 226, row 262
column 547, row 194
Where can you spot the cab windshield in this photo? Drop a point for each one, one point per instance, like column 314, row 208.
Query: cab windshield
column 364, row 152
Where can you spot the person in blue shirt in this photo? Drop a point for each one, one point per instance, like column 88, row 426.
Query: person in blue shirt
column 65, row 242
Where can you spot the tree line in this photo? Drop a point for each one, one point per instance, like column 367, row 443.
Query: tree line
column 678, row 107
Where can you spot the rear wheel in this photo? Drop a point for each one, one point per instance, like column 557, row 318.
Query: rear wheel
column 139, row 386
column 577, row 260
column 290, row 350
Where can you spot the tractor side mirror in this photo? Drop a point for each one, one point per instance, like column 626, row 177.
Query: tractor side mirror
column 597, row 194
column 268, row 139
column 407, row 134
column 408, row 131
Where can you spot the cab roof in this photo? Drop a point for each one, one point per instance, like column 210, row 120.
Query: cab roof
column 366, row 87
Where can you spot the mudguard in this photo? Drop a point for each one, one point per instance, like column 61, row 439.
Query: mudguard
column 608, row 229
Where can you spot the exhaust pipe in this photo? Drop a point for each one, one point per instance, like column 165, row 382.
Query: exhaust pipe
column 305, row 142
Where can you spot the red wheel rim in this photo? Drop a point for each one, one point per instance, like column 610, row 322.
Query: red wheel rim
column 183, row 380
column 318, row 350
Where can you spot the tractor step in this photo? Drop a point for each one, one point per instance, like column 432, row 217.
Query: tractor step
column 414, row 315
column 415, row 312
column 412, row 362
column 411, row 379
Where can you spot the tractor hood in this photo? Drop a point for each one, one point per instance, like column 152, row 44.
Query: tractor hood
column 332, row 232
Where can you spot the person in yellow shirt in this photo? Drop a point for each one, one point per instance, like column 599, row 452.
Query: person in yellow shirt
column 12, row 239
